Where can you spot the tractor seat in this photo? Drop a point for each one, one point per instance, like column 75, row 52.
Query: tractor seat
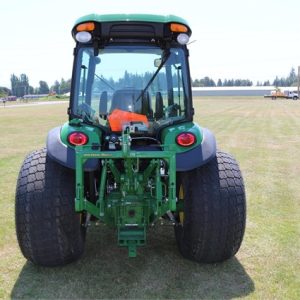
column 126, row 99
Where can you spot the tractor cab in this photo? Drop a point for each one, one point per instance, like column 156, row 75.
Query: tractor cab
column 131, row 73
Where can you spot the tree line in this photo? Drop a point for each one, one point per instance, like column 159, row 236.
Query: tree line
column 290, row 80
column 209, row 82
column 20, row 86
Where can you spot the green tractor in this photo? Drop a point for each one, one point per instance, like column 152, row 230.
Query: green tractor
column 130, row 154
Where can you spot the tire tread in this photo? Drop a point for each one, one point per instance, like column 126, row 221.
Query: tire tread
column 48, row 229
column 215, row 211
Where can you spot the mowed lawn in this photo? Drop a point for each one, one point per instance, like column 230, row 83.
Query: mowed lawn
column 263, row 135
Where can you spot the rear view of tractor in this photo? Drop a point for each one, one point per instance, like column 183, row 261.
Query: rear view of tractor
column 130, row 153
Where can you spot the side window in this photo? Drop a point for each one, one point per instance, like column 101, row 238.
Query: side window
column 83, row 77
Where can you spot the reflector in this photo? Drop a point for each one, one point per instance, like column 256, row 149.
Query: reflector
column 77, row 138
column 185, row 139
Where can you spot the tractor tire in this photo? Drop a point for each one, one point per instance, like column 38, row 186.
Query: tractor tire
column 49, row 231
column 212, row 226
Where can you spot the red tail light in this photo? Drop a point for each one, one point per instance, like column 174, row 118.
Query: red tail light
column 185, row 139
column 77, row 138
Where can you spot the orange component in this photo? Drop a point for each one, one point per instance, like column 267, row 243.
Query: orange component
column 118, row 118
column 90, row 26
column 175, row 27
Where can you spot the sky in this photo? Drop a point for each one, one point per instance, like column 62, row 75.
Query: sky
column 248, row 39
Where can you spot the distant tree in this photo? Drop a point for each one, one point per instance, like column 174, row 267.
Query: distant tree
column 246, row 82
column 43, row 88
column 237, row 82
column 4, row 92
column 292, row 78
column 24, row 81
column 30, row 90
column 207, row 82
column 280, row 81
column 56, row 87
column 19, row 85
column 203, row 82
column 14, row 84
column 267, row 83
column 230, row 82
column 276, row 81
column 219, row 82
column 196, row 83
column 65, row 86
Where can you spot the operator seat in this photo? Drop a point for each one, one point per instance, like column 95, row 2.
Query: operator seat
column 131, row 100
column 124, row 99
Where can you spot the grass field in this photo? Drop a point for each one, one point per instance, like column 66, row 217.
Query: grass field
column 263, row 135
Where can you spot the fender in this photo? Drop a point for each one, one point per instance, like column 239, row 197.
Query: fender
column 198, row 156
column 65, row 155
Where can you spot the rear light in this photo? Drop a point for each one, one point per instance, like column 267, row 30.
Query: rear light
column 183, row 38
column 77, row 138
column 84, row 30
column 185, row 139
column 83, row 37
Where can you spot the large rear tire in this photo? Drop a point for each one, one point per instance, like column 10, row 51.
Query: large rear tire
column 49, row 231
column 212, row 226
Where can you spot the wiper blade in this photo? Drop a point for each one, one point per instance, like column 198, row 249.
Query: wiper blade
column 104, row 81
column 154, row 76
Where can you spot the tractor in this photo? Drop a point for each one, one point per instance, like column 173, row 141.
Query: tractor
column 130, row 155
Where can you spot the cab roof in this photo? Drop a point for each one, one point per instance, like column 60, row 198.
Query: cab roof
column 132, row 17
column 146, row 28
